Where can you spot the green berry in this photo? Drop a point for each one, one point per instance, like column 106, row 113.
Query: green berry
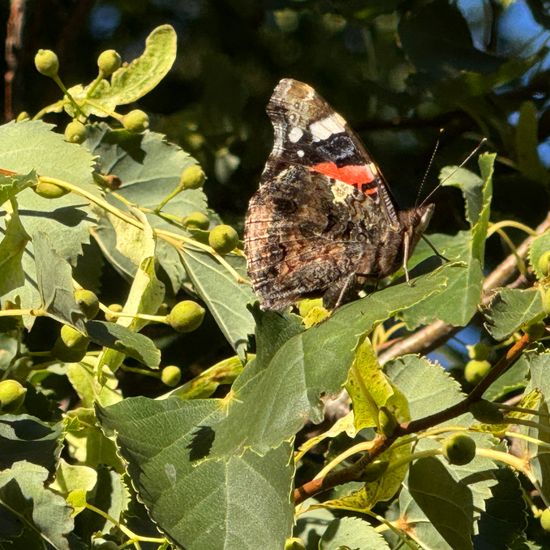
column 49, row 190
column 108, row 62
column 459, row 449
column 543, row 263
column 475, row 370
column 72, row 338
column 545, row 519
column 115, row 308
column 23, row 115
column 386, row 421
column 374, row 471
column 223, row 239
column 171, row 375
column 192, row 177
column 75, row 132
column 479, row 351
column 294, row 543
column 46, row 63
column 196, row 220
column 12, row 395
column 186, row 316
column 67, row 354
column 136, row 121
column 87, row 301
column 487, row 412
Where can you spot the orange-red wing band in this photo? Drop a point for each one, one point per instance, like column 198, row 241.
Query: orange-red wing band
column 356, row 175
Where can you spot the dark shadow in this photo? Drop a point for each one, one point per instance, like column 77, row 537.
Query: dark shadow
column 201, row 443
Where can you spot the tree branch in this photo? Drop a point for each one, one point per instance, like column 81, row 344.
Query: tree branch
column 382, row 442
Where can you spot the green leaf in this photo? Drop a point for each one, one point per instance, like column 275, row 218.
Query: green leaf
column 505, row 516
column 537, row 455
column 75, row 481
column 149, row 168
column 132, row 81
column 226, row 298
column 513, row 379
column 277, row 392
column 12, row 247
column 55, row 284
column 539, row 246
column 512, row 308
column 11, row 185
column 125, row 341
column 238, row 502
column 86, row 443
column 24, row 437
column 459, row 302
column 445, row 502
column 44, row 515
column 83, row 379
column 527, row 142
column 370, row 389
column 351, row 533
column 208, row 381
column 146, row 293
column 32, row 145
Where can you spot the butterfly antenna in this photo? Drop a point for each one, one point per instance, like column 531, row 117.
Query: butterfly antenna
column 429, row 167
column 479, row 146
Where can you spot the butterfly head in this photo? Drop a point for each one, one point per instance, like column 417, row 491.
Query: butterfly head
column 416, row 221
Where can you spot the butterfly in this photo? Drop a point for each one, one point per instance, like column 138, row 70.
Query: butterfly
column 323, row 221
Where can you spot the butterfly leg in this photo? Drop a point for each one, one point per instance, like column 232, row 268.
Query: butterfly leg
column 340, row 293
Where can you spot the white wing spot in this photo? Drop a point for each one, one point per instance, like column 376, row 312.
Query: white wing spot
column 295, row 134
column 324, row 128
column 300, row 153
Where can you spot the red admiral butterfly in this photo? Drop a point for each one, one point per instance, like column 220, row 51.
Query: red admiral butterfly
column 323, row 221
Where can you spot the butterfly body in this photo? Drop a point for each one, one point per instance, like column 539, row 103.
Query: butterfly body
column 322, row 222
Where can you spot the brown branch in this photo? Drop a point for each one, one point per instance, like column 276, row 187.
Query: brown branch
column 434, row 334
column 382, row 442
column 14, row 32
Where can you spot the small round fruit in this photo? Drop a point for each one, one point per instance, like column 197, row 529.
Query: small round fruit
column 487, row 412
column 66, row 354
column 386, row 421
column 72, row 338
column 186, row 316
column 108, row 62
column 115, row 308
column 545, row 519
column 46, row 63
column 87, row 301
column 192, row 177
column 479, row 351
column 543, row 263
column 223, row 239
column 459, row 449
column 49, row 190
column 196, row 220
column 475, row 370
column 12, row 395
column 75, row 132
column 294, row 543
column 171, row 375
column 136, row 121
